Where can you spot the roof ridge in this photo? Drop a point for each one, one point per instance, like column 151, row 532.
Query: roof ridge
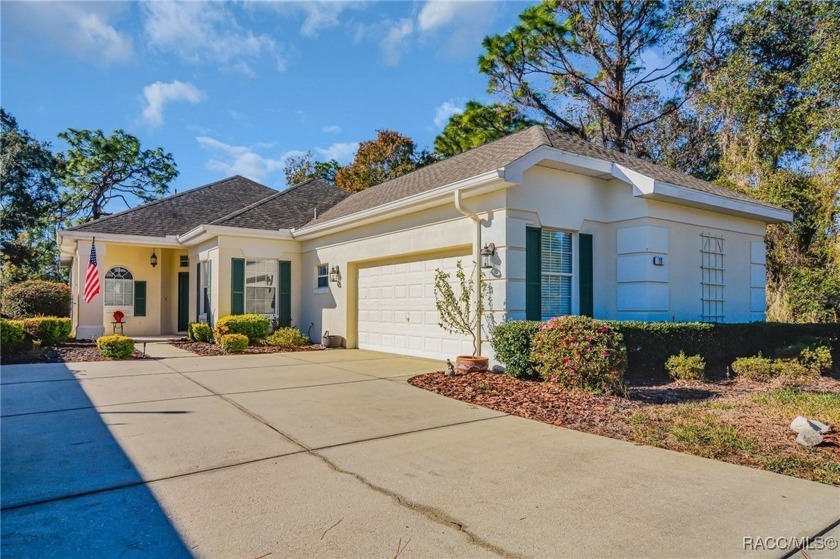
column 165, row 199
column 240, row 211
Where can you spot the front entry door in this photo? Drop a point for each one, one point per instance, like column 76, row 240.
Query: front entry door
column 183, row 300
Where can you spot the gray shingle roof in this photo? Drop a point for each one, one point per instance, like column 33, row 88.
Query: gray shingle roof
column 179, row 213
column 287, row 209
column 502, row 152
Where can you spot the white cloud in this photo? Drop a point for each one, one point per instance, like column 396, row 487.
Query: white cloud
column 81, row 28
column 239, row 160
column 437, row 14
column 341, row 152
column 159, row 94
column 444, row 111
column 333, row 129
column 201, row 32
column 317, row 16
column 395, row 41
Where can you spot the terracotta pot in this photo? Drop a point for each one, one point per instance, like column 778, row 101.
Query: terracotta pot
column 469, row 364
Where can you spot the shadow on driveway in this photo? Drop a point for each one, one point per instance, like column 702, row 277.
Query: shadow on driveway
column 68, row 489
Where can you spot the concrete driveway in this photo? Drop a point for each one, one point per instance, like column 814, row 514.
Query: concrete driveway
column 332, row 454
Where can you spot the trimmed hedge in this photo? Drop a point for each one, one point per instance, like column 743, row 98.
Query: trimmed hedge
column 512, row 344
column 115, row 346
column 36, row 298
column 253, row 326
column 199, row 332
column 12, row 335
column 233, row 343
column 50, row 330
column 650, row 344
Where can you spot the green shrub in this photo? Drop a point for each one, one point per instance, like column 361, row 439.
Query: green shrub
column 115, row 346
column 579, row 352
column 12, row 336
column 794, row 350
column 233, row 343
column 287, row 336
column 36, row 298
column 512, row 344
column 649, row 344
column 686, row 367
column 50, row 330
column 763, row 369
column 816, row 360
column 253, row 326
column 200, row 332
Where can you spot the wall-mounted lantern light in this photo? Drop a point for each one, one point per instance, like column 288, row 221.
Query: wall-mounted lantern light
column 487, row 254
column 335, row 275
column 153, row 259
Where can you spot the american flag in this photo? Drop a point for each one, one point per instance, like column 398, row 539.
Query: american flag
column 92, row 276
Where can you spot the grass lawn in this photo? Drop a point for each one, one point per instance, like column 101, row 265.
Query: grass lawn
column 738, row 422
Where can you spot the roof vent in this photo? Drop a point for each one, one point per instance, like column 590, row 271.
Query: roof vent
column 316, row 213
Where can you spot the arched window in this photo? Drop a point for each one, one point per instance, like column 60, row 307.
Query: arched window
column 119, row 287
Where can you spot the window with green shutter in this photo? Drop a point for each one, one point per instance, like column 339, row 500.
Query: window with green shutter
column 237, row 286
column 139, row 298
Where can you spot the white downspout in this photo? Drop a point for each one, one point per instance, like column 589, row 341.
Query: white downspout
column 477, row 260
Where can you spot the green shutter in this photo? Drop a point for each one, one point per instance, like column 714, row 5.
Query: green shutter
column 237, row 286
column 284, row 314
column 197, row 290
column 585, row 275
column 139, row 298
column 533, row 273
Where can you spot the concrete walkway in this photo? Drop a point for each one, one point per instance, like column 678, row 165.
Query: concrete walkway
column 333, row 454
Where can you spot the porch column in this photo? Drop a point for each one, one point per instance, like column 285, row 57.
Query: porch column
column 90, row 322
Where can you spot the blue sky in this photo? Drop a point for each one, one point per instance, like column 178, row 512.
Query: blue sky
column 233, row 88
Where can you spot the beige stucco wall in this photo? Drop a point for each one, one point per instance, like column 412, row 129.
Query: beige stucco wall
column 606, row 209
column 223, row 249
column 94, row 318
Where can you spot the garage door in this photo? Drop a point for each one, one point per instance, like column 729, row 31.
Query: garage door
column 397, row 310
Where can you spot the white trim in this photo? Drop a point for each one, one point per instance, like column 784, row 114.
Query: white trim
column 168, row 241
column 417, row 202
column 205, row 232
column 649, row 188
column 514, row 172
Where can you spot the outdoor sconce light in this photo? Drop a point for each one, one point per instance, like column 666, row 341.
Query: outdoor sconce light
column 335, row 275
column 153, row 259
column 487, row 254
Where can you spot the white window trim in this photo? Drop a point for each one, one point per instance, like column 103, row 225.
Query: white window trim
column 574, row 303
column 318, row 276
column 111, row 307
column 275, row 285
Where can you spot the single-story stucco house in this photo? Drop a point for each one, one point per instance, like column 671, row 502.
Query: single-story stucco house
column 567, row 227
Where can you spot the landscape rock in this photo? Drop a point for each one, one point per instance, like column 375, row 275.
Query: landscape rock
column 809, row 438
column 802, row 424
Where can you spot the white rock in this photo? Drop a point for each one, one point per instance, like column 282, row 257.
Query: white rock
column 819, row 427
column 809, row 438
column 801, row 424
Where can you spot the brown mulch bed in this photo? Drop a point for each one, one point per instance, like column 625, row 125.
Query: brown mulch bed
column 730, row 420
column 211, row 350
column 68, row 352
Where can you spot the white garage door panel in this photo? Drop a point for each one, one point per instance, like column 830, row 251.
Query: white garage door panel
column 397, row 310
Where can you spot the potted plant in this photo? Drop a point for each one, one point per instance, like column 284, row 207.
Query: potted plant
column 461, row 313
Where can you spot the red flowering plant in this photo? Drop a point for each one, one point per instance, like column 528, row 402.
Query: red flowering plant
column 579, row 352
